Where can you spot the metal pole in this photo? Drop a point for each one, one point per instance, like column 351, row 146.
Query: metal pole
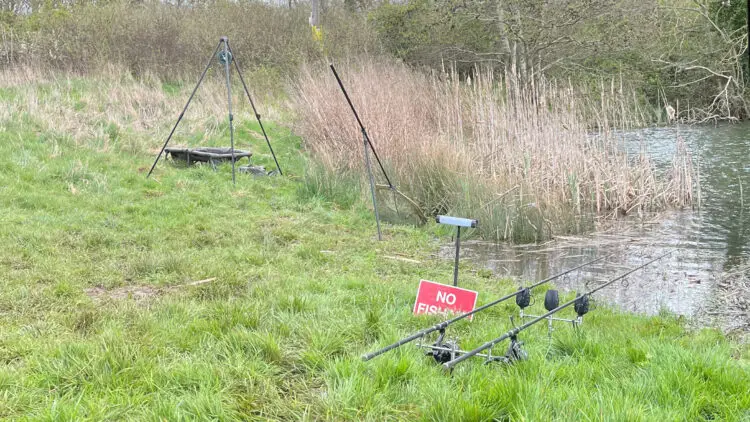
column 372, row 184
column 208, row 65
column 458, row 248
column 257, row 115
column 227, row 59
column 444, row 324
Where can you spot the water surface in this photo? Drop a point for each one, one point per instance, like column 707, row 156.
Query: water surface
column 708, row 244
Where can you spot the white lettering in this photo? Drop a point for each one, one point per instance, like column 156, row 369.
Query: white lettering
column 444, row 297
column 440, row 296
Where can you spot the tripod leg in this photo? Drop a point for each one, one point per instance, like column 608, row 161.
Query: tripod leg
column 227, row 59
column 203, row 75
column 257, row 116
column 372, row 186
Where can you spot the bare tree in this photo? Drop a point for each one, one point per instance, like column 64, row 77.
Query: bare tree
column 706, row 55
column 533, row 37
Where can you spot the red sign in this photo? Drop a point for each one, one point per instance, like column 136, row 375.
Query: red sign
column 436, row 298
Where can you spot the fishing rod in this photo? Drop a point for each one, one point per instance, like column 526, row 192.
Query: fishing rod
column 442, row 326
column 361, row 126
column 368, row 146
column 581, row 303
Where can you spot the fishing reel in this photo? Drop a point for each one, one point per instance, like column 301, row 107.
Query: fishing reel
column 514, row 353
column 443, row 351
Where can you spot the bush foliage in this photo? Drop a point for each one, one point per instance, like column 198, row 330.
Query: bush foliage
column 171, row 41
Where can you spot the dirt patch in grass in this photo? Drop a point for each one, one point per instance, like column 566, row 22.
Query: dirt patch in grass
column 137, row 293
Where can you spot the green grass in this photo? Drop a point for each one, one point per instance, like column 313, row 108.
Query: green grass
column 302, row 289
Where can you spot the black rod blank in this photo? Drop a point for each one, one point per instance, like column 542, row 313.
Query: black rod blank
column 361, row 126
column 444, row 324
column 514, row 332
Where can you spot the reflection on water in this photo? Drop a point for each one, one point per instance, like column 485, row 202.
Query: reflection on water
column 707, row 243
column 722, row 154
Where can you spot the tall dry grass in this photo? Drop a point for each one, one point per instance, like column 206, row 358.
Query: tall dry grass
column 521, row 158
column 114, row 110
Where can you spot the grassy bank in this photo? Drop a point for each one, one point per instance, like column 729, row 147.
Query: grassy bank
column 98, row 319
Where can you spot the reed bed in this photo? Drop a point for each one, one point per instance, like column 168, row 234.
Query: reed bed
column 733, row 300
column 529, row 160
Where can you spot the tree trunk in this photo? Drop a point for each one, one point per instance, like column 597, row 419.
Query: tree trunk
column 504, row 41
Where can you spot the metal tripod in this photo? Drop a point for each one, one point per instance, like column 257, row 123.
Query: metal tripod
column 224, row 53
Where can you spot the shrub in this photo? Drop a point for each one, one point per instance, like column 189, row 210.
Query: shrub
column 174, row 42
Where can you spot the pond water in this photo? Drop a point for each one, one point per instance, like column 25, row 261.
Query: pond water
column 706, row 276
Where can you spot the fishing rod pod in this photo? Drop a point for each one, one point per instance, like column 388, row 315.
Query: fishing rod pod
column 419, row 335
column 446, row 351
column 581, row 302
